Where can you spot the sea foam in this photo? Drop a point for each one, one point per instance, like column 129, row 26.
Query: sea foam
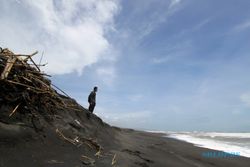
column 227, row 142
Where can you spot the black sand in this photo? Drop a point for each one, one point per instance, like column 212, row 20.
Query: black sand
column 36, row 142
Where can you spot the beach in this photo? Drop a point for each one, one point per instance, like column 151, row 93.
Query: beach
column 41, row 128
column 159, row 151
column 52, row 144
column 82, row 83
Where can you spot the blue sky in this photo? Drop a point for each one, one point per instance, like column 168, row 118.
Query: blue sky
column 173, row 65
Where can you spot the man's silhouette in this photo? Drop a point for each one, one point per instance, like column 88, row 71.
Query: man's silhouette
column 92, row 99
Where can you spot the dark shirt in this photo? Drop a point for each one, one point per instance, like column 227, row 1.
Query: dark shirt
column 92, row 97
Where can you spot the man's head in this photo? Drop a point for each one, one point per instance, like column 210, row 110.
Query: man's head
column 95, row 88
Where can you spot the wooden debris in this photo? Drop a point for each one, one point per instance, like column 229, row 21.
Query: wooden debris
column 27, row 84
column 98, row 154
column 14, row 110
column 29, row 87
column 53, row 161
column 60, row 90
column 10, row 62
column 87, row 160
column 34, row 63
column 113, row 160
column 93, row 145
column 79, row 141
column 22, row 78
column 29, row 56
column 72, row 141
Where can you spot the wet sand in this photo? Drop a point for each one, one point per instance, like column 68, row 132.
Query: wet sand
column 154, row 150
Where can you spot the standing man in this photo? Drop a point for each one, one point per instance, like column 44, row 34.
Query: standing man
column 92, row 99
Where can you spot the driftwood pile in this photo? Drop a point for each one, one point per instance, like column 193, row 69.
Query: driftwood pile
column 29, row 90
column 23, row 85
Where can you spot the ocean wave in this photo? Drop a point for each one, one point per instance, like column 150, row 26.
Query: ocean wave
column 227, row 142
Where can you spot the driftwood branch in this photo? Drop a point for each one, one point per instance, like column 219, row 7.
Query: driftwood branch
column 113, row 160
column 11, row 60
column 14, row 110
column 17, row 55
column 60, row 90
column 64, row 137
column 29, row 87
column 29, row 56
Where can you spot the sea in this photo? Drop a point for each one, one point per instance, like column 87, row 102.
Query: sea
column 226, row 142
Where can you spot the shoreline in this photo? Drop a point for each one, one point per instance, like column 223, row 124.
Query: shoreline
column 221, row 142
column 208, row 143
column 165, row 151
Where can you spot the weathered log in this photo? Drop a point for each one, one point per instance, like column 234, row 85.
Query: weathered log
column 11, row 60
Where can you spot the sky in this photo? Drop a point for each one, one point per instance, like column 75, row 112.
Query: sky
column 169, row 65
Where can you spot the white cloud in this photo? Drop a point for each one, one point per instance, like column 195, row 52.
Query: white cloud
column 159, row 60
column 157, row 18
column 174, row 52
column 201, row 24
column 71, row 33
column 241, row 27
column 245, row 98
column 135, row 97
column 174, row 3
column 107, row 74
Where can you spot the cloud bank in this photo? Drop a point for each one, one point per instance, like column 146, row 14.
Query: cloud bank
column 70, row 33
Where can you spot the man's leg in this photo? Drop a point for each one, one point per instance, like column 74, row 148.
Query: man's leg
column 91, row 107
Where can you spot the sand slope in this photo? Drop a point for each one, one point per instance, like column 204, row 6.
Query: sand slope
column 66, row 137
